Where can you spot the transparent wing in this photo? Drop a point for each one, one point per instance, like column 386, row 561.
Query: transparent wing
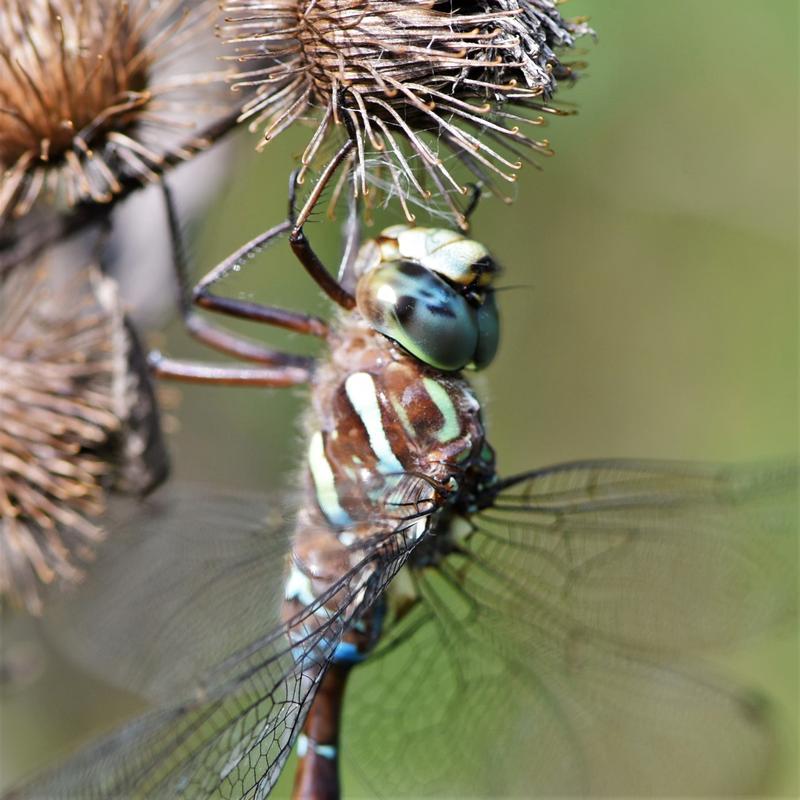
column 186, row 577
column 556, row 653
column 667, row 557
column 229, row 740
column 230, row 735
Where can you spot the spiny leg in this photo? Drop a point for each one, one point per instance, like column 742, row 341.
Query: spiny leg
column 283, row 369
column 297, row 238
column 244, row 309
column 202, row 296
column 309, row 259
column 330, row 169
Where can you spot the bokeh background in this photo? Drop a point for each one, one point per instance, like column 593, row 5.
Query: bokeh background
column 655, row 314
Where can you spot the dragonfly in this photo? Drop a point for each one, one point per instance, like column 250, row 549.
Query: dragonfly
column 449, row 630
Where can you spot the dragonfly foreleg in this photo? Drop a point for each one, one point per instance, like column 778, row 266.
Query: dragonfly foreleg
column 306, row 255
column 339, row 158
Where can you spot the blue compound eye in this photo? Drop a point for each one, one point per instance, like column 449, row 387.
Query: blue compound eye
column 422, row 313
column 488, row 333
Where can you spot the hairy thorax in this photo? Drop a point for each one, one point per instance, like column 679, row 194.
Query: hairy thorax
column 391, row 444
column 379, row 414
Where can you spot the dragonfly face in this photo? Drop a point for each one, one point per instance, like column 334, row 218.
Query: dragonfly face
column 529, row 635
column 430, row 290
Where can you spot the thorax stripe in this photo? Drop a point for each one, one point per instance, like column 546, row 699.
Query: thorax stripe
column 325, row 483
column 450, row 427
column 361, row 393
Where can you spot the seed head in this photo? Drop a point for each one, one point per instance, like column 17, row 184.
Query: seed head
column 77, row 419
column 416, row 78
column 89, row 94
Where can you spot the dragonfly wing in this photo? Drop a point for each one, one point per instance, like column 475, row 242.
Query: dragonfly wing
column 231, row 743
column 230, row 739
column 231, row 735
column 665, row 557
column 555, row 654
column 157, row 608
column 466, row 714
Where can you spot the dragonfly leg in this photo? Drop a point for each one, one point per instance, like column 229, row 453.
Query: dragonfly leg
column 297, row 238
column 217, row 337
column 310, row 260
column 223, row 375
column 330, row 169
column 279, row 369
column 473, row 201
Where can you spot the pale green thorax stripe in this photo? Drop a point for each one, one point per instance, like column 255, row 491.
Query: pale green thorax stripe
column 400, row 410
column 325, row 483
column 363, row 396
column 441, row 399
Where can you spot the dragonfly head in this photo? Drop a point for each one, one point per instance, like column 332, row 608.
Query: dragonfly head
column 430, row 290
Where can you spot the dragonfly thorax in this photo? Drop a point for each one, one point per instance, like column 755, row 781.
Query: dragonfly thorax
column 430, row 290
column 382, row 418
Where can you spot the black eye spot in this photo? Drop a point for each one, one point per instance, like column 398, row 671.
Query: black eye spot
column 440, row 310
column 406, row 308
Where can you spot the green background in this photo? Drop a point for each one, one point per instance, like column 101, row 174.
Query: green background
column 657, row 314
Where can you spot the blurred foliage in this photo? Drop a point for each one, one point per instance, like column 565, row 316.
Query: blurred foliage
column 653, row 308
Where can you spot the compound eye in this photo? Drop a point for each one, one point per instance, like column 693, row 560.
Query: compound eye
column 421, row 312
column 488, row 333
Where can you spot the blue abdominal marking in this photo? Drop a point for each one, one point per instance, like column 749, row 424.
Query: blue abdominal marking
column 347, row 653
column 304, row 744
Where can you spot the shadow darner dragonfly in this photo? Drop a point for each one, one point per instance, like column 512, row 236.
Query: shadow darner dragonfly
column 535, row 634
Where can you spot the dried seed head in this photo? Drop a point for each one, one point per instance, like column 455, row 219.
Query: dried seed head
column 89, row 94
column 77, row 419
column 415, row 77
